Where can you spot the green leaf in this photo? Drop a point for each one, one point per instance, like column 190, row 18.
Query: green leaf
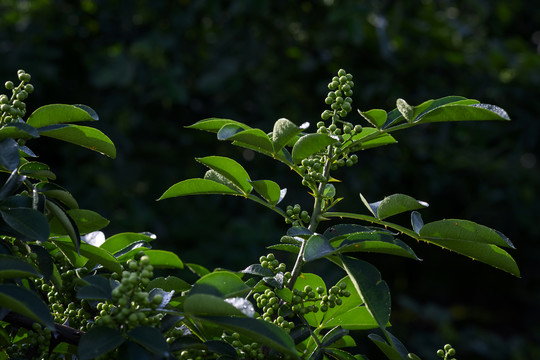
column 375, row 117
column 25, row 302
column 18, row 130
column 358, row 318
column 197, row 187
column 269, row 190
column 217, row 177
column 170, row 283
column 258, row 330
column 54, row 191
column 283, row 132
column 198, row 269
column 456, row 229
column 393, row 205
column 313, row 280
column 164, row 259
column 464, row 112
column 209, row 305
column 229, row 168
column 376, row 242
column 150, row 338
column 395, row 117
column 226, row 283
column 84, row 136
column 486, row 253
column 333, row 335
column 99, row 340
column 66, row 222
column 87, row 221
column 60, row 114
column 9, row 154
column 372, row 289
column 341, row 231
column 30, row 223
column 120, row 241
column 317, row 247
column 215, row 124
column 254, row 139
column 310, row 144
column 369, row 138
column 14, row 267
column 405, row 109
column 295, row 249
column 389, row 351
column 37, row 170
column 91, row 252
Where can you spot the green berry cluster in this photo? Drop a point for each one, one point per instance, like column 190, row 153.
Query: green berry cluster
column 244, row 348
column 270, row 262
column 34, row 345
column 312, row 169
column 339, row 97
column 296, row 216
column 301, row 298
column 447, row 352
column 13, row 108
column 270, row 303
column 131, row 305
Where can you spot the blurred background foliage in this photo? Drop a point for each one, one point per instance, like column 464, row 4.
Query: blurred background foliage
column 150, row 67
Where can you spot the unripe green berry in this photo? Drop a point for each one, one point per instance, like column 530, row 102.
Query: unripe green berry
column 22, row 95
column 5, row 107
column 25, row 77
column 440, row 353
column 447, row 347
column 9, row 85
column 342, row 72
column 29, row 88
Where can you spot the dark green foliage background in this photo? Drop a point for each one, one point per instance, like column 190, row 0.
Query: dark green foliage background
column 150, row 67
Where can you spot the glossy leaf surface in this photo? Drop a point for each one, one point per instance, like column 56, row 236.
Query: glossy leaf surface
column 197, row 187
column 14, row 267
column 310, row 144
column 229, row 168
column 60, row 114
column 84, row 136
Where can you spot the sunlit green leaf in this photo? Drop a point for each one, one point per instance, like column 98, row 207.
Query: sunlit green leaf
column 91, row 252
column 60, row 114
column 120, row 241
column 375, row 117
column 269, row 190
column 209, row 305
column 229, row 168
column 197, row 187
column 254, row 139
column 456, row 229
column 310, row 144
column 215, row 124
column 464, row 112
column 84, row 136
column 284, row 130
column 226, row 283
